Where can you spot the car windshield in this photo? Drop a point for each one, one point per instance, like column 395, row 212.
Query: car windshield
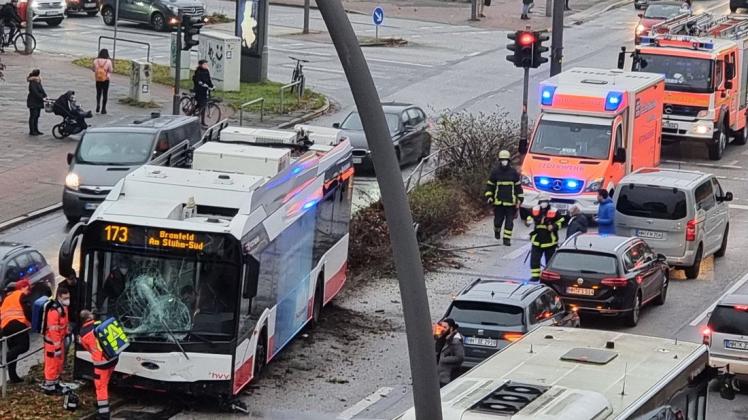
column 353, row 122
column 166, row 298
column 115, row 148
column 661, row 11
column 652, row 202
column 730, row 320
column 681, row 73
column 584, row 262
column 573, row 139
column 469, row 312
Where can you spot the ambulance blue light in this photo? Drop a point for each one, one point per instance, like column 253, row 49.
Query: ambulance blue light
column 613, row 101
column 707, row 45
column 572, row 184
column 546, row 95
column 296, row 170
column 310, row 204
column 544, row 181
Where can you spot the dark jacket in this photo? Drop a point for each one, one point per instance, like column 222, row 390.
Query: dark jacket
column 201, row 82
column 527, row 1
column 547, row 224
column 9, row 14
column 450, row 358
column 504, row 186
column 36, row 93
column 606, row 217
column 577, row 224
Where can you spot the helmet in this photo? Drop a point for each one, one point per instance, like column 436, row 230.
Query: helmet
column 504, row 154
column 544, row 197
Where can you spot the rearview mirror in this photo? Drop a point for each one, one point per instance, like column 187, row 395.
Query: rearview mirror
column 728, row 84
column 661, row 258
column 727, row 196
column 70, row 158
column 336, row 125
column 622, row 58
column 620, row 155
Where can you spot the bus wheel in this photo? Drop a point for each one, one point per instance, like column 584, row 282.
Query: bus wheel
column 261, row 353
column 319, row 296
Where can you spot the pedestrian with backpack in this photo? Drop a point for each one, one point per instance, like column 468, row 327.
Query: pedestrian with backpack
column 55, row 330
column 102, row 68
column 103, row 366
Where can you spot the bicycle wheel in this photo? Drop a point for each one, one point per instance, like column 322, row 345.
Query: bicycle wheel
column 211, row 115
column 58, row 132
column 20, row 43
column 187, row 105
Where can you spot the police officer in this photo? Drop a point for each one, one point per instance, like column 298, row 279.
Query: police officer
column 56, row 328
column 544, row 237
column 504, row 192
column 103, row 367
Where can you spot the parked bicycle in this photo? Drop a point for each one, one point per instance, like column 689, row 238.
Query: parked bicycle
column 298, row 76
column 18, row 41
column 209, row 115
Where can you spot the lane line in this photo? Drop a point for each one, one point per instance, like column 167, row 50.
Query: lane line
column 732, row 289
column 738, row 206
column 704, row 165
column 365, row 403
column 406, row 63
column 517, row 252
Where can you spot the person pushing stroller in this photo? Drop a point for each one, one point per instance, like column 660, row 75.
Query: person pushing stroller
column 74, row 117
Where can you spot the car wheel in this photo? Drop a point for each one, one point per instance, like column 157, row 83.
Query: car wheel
column 52, row 23
column 72, row 219
column 717, row 148
column 741, row 137
column 733, row 9
column 693, row 271
column 723, row 248
column 632, row 317
column 425, row 150
column 398, row 156
column 107, row 15
column 660, row 300
column 158, row 22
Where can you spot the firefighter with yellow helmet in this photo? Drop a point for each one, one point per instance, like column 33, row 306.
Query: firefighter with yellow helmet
column 547, row 223
column 504, row 193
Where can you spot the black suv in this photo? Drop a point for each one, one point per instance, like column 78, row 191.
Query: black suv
column 162, row 15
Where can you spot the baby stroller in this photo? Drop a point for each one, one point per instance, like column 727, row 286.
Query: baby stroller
column 73, row 116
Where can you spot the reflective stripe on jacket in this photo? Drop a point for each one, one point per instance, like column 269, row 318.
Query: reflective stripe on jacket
column 12, row 309
column 504, row 187
column 91, row 344
column 56, row 325
column 542, row 236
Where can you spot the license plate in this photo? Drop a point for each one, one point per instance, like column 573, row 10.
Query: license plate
column 480, row 341
column 649, row 234
column 91, row 206
column 670, row 125
column 357, row 161
column 580, row 291
column 89, row 4
column 736, row 345
column 561, row 206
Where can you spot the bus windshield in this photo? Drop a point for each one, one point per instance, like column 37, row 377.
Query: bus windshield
column 166, row 298
column 682, row 74
column 572, row 139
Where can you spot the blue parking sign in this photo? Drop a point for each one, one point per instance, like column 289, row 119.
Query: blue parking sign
column 378, row 15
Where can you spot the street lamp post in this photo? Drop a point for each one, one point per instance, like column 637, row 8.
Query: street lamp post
column 116, row 22
column 29, row 28
column 397, row 212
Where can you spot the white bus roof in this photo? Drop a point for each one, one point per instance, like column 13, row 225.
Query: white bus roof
column 599, row 82
column 559, row 363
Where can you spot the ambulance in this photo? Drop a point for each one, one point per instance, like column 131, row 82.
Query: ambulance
column 595, row 126
column 703, row 59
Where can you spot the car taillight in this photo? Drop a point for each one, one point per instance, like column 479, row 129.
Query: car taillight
column 614, row 282
column 550, row 276
column 691, row 230
column 707, row 336
column 512, row 337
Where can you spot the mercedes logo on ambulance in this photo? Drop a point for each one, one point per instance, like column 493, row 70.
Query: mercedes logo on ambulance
column 557, row 185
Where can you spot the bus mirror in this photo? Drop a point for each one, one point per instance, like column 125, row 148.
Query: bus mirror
column 250, row 288
column 67, row 251
column 620, row 155
column 622, row 58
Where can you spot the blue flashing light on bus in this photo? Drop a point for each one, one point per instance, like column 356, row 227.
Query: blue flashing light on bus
column 613, row 101
column 546, row 95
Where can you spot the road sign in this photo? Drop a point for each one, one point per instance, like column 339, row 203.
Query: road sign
column 378, row 15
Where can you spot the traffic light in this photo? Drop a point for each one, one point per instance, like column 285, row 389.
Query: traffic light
column 538, row 49
column 191, row 26
column 522, row 48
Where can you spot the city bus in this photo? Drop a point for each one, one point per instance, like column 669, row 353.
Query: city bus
column 212, row 269
column 573, row 373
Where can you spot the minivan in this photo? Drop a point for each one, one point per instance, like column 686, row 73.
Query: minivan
column 726, row 334
column 681, row 214
column 106, row 154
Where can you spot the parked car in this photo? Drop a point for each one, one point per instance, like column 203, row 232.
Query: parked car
column 655, row 13
column 607, row 275
column 89, row 7
column 106, row 154
column 161, row 15
column 493, row 313
column 51, row 12
column 409, row 129
column 683, row 215
column 726, row 335
column 641, row 4
column 738, row 4
column 18, row 261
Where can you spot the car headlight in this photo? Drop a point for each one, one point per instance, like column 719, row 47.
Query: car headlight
column 639, row 29
column 703, row 113
column 701, row 129
column 72, row 181
column 34, row 4
column 594, row 185
column 526, row 181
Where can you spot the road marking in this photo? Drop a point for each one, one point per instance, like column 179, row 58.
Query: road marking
column 365, row 403
column 473, row 54
column 732, row 289
column 406, row 63
column 517, row 252
column 738, row 206
column 288, row 50
column 704, row 165
column 323, row 70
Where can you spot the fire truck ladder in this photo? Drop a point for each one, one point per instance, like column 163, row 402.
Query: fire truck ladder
column 683, row 24
column 729, row 28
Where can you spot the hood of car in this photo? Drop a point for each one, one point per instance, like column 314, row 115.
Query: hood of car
column 101, row 175
column 649, row 22
column 357, row 139
column 191, row 3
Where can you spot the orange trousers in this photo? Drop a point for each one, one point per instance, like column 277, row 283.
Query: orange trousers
column 54, row 361
column 101, row 383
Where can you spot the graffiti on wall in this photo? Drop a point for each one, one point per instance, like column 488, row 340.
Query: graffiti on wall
column 215, row 56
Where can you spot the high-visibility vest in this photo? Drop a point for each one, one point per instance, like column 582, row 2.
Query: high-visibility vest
column 12, row 310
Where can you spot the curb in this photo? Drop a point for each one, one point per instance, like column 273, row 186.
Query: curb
column 29, row 216
column 306, row 117
column 581, row 17
column 312, row 6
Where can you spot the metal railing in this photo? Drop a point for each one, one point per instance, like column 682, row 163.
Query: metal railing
column 288, row 86
column 131, row 41
column 428, row 166
column 252, row 102
column 175, row 156
column 4, row 359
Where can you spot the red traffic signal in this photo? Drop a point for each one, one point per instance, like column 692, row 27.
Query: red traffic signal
column 526, row 39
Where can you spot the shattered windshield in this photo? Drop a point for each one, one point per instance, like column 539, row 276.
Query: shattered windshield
column 167, row 298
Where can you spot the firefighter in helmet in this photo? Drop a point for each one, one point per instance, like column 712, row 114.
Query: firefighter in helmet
column 504, row 193
column 547, row 223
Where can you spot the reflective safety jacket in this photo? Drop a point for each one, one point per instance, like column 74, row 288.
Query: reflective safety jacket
column 12, row 309
column 504, row 187
column 56, row 325
column 91, row 344
column 547, row 224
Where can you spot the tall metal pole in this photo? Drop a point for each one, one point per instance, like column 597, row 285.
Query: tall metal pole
column 548, row 7
column 178, row 70
column 523, row 118
column 474, row 9
column 397, row 212
column 557, row 36
column 116, row 24
column 29, row 28
column 307, row 6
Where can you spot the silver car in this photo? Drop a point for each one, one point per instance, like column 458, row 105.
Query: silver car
column 683, row 215
column 726, row 335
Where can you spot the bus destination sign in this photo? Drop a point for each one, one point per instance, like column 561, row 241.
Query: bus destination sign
column 153, row 238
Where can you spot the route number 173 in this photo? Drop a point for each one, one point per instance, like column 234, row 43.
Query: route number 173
column 116, row 233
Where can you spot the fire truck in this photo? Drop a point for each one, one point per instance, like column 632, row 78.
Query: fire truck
column 703, row 60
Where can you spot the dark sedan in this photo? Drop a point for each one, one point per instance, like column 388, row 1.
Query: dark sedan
column 408, row 127
column 608, row 275
column 19, row 261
